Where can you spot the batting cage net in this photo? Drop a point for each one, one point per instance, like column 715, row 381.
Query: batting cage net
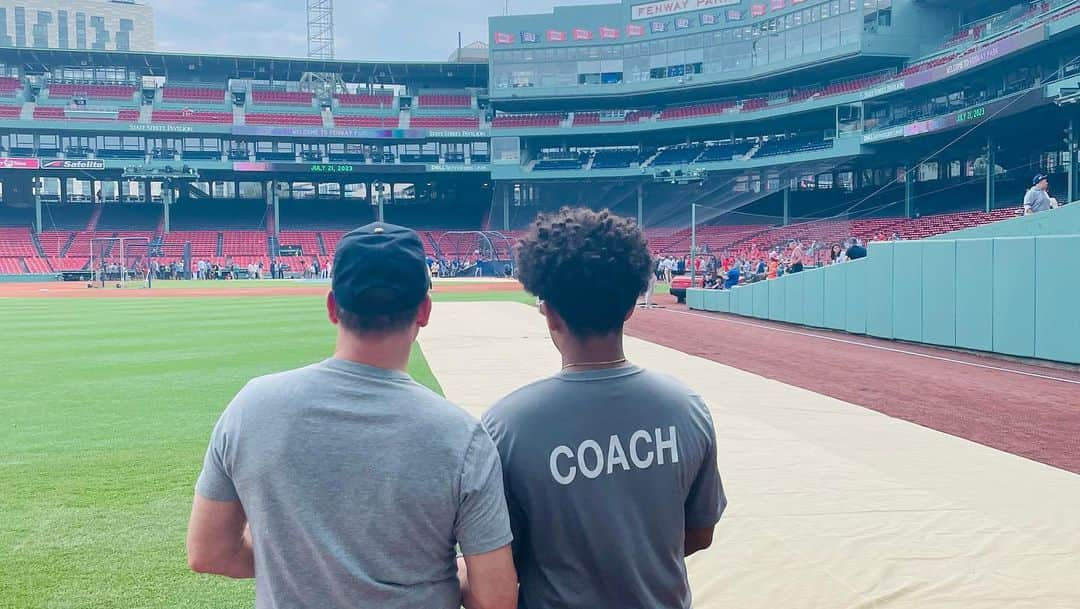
column 134, row 262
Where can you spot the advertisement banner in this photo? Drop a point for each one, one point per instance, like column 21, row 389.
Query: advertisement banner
column 734, row 15
column 658, row 27
column 709, row 19
column 778, row 5
column 758, row 10
column 530, row 37
column 75, row 164
column 608, row 32
column 580, row 34
column 668, row 8
column 635, row 30
column 556, row 36
column 503, row 38
column 682, row 23
column 984, row 55
column 19, row 163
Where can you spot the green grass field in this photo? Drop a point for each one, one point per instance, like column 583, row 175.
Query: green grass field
column 105, row 411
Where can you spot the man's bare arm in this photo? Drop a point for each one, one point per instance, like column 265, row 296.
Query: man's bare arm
column 488, row 581
column 218, row 540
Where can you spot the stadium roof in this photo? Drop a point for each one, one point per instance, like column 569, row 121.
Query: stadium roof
column 180, row 65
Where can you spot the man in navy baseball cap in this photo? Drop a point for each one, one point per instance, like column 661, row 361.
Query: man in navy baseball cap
column 1038, row 198
column 346, row 483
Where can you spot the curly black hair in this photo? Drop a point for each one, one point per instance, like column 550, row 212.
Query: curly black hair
column 589, row 266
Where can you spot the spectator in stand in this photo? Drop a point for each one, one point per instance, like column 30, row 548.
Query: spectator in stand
column 855, row 249
column 896, row 236
column 836, row 254
column 1038, row 198
column 797, row 257
column 731, row 278
column 773, row 267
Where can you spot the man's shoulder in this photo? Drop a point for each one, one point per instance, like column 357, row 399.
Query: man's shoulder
column 520, row 400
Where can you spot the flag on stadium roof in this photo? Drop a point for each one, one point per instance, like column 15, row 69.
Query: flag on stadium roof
column 635, row 30
column 580, row 34
column 708, row 19
column 608, row 32
column 556, row 36
column 501, row 38
column 657, row 27
column 758, row 10
column 531, row 37
column 734, row 15
column 681, row 23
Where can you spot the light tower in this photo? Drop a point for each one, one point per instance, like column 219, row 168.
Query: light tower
column 320, row 46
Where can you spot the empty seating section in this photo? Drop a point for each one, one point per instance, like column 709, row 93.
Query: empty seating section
column 291, row 98
column 696, row 110
column 192, row 116
column 49, row 113
column 365, row 100
column 757, row 103
column 200, row 95
column 9, row 111
column 357, row 120
column 8, row 85
column 777, row 147
column 445, row 101
column 441, row 122
column 510, row 121
column 203, row 243
column 306, row 240
column 16, row 242
column 615, row 159
column 276, row 118
column 723, row 152
column 244, row 243
column 677, row 156
column 113, row 92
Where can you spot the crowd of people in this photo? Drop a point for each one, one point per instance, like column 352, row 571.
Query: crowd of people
column 726, row 272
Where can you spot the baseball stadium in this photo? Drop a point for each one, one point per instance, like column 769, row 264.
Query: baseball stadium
column 863, row 226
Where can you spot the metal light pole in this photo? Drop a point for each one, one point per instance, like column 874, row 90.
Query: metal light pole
column 693, row 245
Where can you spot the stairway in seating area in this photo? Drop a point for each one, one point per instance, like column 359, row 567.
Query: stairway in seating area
column 37, row 244
column 146, row 114
column 91, row 224
column 220, row 245
column 67, row 246
column 322, row 243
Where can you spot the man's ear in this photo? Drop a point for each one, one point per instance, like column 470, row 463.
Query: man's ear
column 423, row 314
column 554, row 322
column 331, row 308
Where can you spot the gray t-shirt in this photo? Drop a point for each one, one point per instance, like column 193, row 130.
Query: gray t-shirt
column 357, row 483
column 604, row 472
column 1037, row 199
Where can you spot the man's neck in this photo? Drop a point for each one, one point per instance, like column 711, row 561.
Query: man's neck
column 594, row 352
column 389, row 352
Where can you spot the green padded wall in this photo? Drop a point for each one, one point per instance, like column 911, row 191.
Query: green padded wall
column 836, row 298
column 1057, row 292
column 814, row 298
column 855, row 314
column 777, row 299
column 1014, row 296
column 793, row 301
column 879, row 290
column 761, row 299
column 939, row 293
column 975, row 294
column 695, row 299
column 746, row 301
column 907, row 290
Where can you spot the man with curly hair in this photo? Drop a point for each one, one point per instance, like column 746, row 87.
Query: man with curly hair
column 609, row 470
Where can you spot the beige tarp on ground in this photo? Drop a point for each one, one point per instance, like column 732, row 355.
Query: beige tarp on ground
column 832, row 506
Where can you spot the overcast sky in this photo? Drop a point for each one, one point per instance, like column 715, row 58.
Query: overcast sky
column 364, row 29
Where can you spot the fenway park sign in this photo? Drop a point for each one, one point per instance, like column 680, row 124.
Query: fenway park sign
column 69, row 164
column 665, row 8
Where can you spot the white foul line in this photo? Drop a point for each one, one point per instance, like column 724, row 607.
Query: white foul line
column 878, row 347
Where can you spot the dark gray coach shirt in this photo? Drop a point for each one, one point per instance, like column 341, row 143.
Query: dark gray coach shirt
column 357, row 482
column 604, row 471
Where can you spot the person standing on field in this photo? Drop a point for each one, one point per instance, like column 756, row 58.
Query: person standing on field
column 610, row 470
column 1037, row 198
column 345, row 484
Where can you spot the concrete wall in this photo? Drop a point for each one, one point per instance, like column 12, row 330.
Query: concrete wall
column 1010, row 295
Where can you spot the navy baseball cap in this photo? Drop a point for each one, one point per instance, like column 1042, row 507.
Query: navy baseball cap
column 1038, row 178
column 380, row 269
